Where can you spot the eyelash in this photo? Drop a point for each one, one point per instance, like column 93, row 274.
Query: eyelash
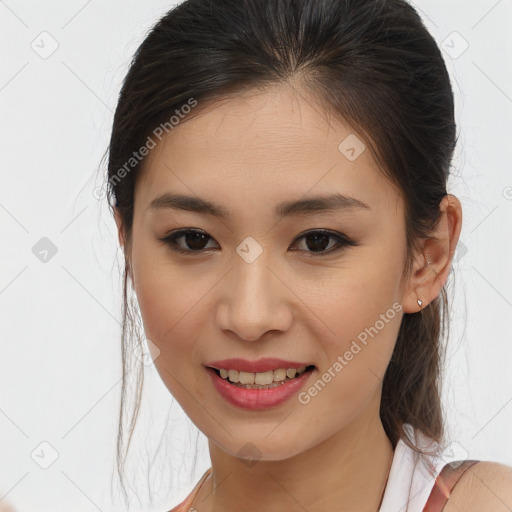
column 342, row 241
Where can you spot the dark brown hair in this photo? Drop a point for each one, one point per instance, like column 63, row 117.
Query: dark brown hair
column 372, row 64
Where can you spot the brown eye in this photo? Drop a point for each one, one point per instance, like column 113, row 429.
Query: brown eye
column 317, row 242
column 320, row 240
column 193, row 240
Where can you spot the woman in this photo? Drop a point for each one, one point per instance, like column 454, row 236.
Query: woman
column 279, row 174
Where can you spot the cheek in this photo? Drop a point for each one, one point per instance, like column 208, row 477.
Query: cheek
column 360, row 317
column 172, row 314
column 168, row 301
column 363, row 320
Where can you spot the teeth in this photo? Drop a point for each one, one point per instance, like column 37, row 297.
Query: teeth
column 246, row 378
column 279, row 375
column 290, row 373
column 233, row 375
column 263, row 378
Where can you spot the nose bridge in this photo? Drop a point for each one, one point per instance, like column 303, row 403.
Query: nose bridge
column 253, row 300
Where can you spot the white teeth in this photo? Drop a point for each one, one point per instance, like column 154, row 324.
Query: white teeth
column 290, row 373
column 263, row 378
column 279, row 375
column 246, row 378
column 233, row 375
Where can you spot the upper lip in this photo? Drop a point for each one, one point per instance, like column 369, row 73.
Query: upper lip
column 261, row 365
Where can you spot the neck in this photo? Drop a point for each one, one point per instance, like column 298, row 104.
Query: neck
column 347, row 471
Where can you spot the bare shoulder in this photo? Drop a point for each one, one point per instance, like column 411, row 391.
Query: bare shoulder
column 484, row 486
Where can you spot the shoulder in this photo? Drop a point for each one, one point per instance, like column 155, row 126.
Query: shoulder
column 484, row 486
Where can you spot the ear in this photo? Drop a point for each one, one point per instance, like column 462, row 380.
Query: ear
column 120, row 227
column 122, row 240
column 432, row 267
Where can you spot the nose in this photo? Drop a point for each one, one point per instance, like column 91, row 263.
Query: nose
column 254, row 299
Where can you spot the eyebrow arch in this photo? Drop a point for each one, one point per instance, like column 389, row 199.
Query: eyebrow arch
column 284, row 209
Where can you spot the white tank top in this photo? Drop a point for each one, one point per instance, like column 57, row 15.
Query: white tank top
column 412, row 476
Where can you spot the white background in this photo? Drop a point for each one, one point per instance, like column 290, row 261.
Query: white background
column 60, row 365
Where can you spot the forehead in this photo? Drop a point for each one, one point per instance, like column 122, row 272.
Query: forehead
column 262, row 146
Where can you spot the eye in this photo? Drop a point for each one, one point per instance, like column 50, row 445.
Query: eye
column 195, row 241
column 318, row 241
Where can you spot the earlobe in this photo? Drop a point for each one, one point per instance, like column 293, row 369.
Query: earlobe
column 422, row 289
column 433, row 265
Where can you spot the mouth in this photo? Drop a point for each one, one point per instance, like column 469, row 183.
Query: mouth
column 257, row 392
column 262, row 380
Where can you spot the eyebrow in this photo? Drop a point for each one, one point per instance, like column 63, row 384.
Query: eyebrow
column 284, row 209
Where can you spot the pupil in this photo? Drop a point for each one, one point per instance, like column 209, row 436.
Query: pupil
column 197, row 242
column 318, row 246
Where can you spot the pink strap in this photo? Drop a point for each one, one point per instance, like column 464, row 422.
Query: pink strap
column 444, row 484
column 440, row 494
column 185, row 505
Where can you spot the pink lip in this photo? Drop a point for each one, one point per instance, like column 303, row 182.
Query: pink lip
column 261, row 365
column 257, row 399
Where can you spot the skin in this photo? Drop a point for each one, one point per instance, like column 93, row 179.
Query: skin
column 248, row 153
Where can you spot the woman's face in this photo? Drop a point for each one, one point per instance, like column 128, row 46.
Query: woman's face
column 254, row 286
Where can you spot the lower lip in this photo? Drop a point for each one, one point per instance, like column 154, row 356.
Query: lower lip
column 257, row 399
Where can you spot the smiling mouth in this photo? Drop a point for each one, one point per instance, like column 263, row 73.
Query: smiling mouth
column 264, row 380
